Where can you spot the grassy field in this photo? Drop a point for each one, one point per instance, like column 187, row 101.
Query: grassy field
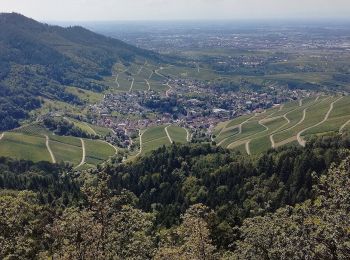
column 66, row 149
column 97, row 151
column 153, row 133
column 177, row 134
column 154, row 144
column 282, row 125
column 337, row 118
column 160, row 73
column 91, row 129
column 314, row 114
column 155, row 137
column 29, row 143
column 102, row 131
column 23, row 146
column 142, row 86
column 85, row 95
column 157, row 76
column 87, row 128
column 32, row 129
column 287, row 72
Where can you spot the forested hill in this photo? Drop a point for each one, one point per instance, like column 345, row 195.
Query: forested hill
column 182, row 202
column 235, row 186
column 40, row 60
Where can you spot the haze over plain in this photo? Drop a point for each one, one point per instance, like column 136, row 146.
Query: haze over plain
column 95, row 10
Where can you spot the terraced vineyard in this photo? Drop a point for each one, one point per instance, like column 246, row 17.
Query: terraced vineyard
column 35, row 143
column 144, row 76
column 89, row 128
column 140, row 76
column 155, row 137
column 293, row 122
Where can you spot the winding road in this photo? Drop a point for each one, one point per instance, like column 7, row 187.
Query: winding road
column 167, row 134
column 160, row 75
column 272, row 134
column 300, row 122
column 53, row 159
column 132, row 84
column 273, row 144
column 115, row 148
column 170, row 89
column 237, row 126
column 260, row 123
column 188, row 136
column 84, row 153
column 250, row 137
column 116, row 81
column 247, row 148
column 301, row 141
column 149, row 85
column 139, row 71
column 340, row 129
column 140, row 135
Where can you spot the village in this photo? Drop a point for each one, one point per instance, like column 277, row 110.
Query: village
column 188, row 103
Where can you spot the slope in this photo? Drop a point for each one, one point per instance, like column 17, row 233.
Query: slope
column 40, row 60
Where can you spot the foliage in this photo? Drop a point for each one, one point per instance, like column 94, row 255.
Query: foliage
column 106, row 228
column 316, row 229
column 61, row 126
column 189, row 202
column 170, row 180
column 48, row 180
column 21, row 225
column 191, row 240
column 165, row 105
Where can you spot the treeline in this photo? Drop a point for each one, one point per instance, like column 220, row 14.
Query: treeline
column 48, row 181
column 61, row 126
column 14, row 105
column 315, row 229
column 235, row 186
column 183, row 202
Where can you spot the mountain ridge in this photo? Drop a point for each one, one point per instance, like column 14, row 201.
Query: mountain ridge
column 38, row 59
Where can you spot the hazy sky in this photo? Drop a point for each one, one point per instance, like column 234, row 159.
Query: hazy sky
column 95, row 10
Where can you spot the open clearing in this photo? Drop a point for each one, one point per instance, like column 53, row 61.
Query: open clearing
column 26, row 147
column 157, row 136
column 35, row 143
column 286, row 124
column 177, row 134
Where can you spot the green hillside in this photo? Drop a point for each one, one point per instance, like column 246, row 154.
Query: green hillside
column 292, row 123
column 154, row 137
column 35, row 143
column 41, row 61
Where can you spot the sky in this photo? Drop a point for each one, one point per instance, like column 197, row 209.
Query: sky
column 119, row 10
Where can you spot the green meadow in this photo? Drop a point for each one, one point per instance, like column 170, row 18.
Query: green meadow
column 283, row 125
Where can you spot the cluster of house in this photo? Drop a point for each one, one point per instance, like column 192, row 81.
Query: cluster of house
column 202, row 107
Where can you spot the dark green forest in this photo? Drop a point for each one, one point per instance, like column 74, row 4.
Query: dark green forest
column 182, row 202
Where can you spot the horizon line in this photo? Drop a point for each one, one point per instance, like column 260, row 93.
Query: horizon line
column 244, row 20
